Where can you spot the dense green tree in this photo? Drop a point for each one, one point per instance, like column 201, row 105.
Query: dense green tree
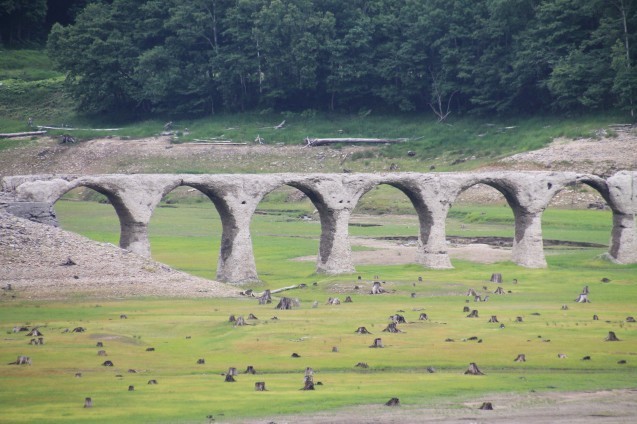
column 22, row 21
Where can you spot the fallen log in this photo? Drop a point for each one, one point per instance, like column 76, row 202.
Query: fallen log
column 22, row 134
column 313, row 142
column 42, row 127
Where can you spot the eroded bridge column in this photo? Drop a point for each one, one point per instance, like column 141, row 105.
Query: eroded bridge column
column 623, row 200
column 528, row 246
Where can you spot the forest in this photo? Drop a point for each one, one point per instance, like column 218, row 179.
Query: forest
column 201, row 57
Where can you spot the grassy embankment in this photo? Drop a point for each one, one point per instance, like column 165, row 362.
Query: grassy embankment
column 187, row 236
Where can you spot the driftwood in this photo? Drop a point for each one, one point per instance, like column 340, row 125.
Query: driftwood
column 313, row 142
column 486, row 406
column 521, row 358
column 378, row 343
column 473, row 369
column 22, row 134
column 393, row 402
column 77, row 129
column 362, row 330
column 259, row 386
column 611, row 337
column 88, row 402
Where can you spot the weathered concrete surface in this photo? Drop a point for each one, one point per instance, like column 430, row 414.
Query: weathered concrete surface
column 236, row 198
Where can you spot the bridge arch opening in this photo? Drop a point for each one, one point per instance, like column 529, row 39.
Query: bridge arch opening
column 185, row 232
column 90, row 212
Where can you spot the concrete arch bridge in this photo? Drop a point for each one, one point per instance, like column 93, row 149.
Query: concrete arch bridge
column 236, row 197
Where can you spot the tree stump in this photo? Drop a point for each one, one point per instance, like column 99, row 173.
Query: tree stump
column 420, row 279
column 232, row 371
column 309, row 384
column 284, row 303
column 496, row 278
column 561, row 355
column 78, row 375
column 88, row 402
column 621, row 362
column 150, row 349
column 473, row 314
column 413, row 295
column 431, row 370
column 472, row 292
column 333, row 301
column 423, row 317
column 315, row 304
column 565, row 307
column 22, row 360
column 586, row 358
column 35, row 332
column 107, row 363
column 152, row 381
column 259, row 386
column 595, row 317
column 360, row 278
column 229, row 379
column 201, row 361
column 398, row 319
column 499, row 290
column 252, row 316
column 240, row 322
column 582, row 298
column 362, row 365
column 99, row 344
column 232, row 318
column 393, row 402
column 309, row 371
column 493, row 319
column 362, row 330
column 519, row 319
column 348, row 299
column 611, row 337
column 295, row 355
column 391, row 328
column 123, row 316
column 376, row 288
column 477, row 298
column 131, row 388
column 521, row 358
column 132, row 371
column 250, row 370
column 335, row 349
column 78, row 330
column 585, row 290
column 266, row 297
column 465, row 309
column 378, row 343
column 486, row 406
column 630, row 319
column 473, row 369
column 101, row 353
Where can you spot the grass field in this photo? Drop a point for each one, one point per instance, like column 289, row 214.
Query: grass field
column 183, row 331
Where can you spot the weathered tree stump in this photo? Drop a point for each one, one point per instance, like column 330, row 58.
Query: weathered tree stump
column 583, row 298
column 284, row 303
column 521, row 358
column 232, row 318
column 561, row 355
column 240, row 322
column 232, row 371
column 123, row 316
column 473, row 314
column 486, row 406
column 519, row 319
column 477, row 298
column 252, row 316
column 250, row 370
column 565, row 307
column 496, row 278
column 132, row 371
column 622, row 362
column 78, row 375
column 101, row 353
column 378, row 343
column 309, row 371
column 611, row 337
column 472, row 292
column 413, row 295
column 315, row 304
column 333, row 301
column 152, row 382
column 201, row 361
column 391, row 328
column 229, row 379
column 465, row 309
column 431, row 370
column 362, row 330
column 22, row 360
column 348, row 299
column 19, row 329
column 393, row 402
column 398, row 319
column 131, row 388
column 420, row 279
column 335, row 349
column 107, row 363
column 493, row 319
column 309, row 384
column 295, row 355
column 499, row 290
column 35, row 332
column 585, row 290
column 423, row 316
column 473, row 369
column 78, row 330
column 266, row 297
column 630, row 319
column 150, row 349
column 259, row 386
column 99, row 344
column 362, row 365
column 595, row 317
column 586, row 358
column 88, row 402
column 376, row 288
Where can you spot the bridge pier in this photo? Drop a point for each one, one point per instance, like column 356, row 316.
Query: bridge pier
column 335, row 252
column 528, row 247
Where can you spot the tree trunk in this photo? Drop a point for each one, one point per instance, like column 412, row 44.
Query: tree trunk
column 473, row 369
column 378, row 343
column 309, row 383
